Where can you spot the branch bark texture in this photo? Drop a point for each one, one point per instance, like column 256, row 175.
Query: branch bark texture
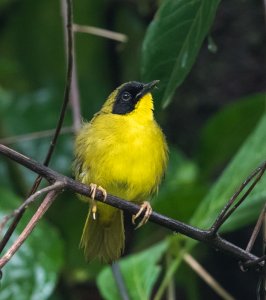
column 52, row 176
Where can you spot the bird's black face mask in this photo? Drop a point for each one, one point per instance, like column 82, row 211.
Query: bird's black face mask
column 129, row 94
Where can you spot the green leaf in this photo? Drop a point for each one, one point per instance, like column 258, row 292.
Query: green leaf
column 32, row 272
column 140, row 272
column 249, row 157
column 172, row 42
column 226, row 131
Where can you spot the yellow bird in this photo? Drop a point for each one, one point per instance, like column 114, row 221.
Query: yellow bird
column 122, row 151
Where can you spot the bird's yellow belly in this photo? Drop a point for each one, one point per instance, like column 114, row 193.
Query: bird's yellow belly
column 128, row 170
column 127, row 161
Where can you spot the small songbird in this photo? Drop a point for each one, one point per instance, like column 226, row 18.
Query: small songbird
column 121, row 151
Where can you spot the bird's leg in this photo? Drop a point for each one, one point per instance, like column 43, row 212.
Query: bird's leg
column 145, row 206
column 94, row 188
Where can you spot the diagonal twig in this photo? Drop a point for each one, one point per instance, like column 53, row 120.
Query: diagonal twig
column 190, row 260
column 33, row 135
column 48, row 200
column 119, row 37
column 59, row 124
column 28, row 201
column 228, row 209
column 256, row 229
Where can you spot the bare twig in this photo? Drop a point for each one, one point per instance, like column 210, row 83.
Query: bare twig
column 59, row 124
column 5, row 219
column 216, row 241
column 255, row 262
column 68, row 82
column 245, row 265
column 256, row 229
column 33, row 136
column 207, row 277
column 120, row 281
column 228, row 209
column 261, row 286
column 171, row 285
column 74, row 98
column 170, row 271
column 75, row 102
column 30, row 226
column 31, row 199
column 120, row 37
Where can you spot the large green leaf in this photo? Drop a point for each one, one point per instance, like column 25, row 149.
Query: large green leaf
column 224, row 133
column 140, row 272
column 33, row 271
column 250, row 156
column 173, row 40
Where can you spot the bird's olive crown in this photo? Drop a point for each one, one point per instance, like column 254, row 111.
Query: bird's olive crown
column 127, row 96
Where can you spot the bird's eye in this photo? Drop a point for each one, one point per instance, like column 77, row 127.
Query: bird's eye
column 126, row 96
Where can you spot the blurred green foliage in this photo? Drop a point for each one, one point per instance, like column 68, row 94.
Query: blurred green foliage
column 33, row 271
column 163, row 43
column 139, row 271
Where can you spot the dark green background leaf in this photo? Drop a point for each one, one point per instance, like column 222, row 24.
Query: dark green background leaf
column 248, row 158
column 172, row 42
column 224, row 133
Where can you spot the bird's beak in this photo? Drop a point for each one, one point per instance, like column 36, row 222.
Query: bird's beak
column 147, row 88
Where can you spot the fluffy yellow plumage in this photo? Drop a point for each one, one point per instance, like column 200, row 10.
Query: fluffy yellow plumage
column 123, row 150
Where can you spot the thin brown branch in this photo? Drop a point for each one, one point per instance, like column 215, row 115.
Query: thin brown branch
column 74, row 97
column 30, row 226
column 68, row 82
column 207, row 277
column 31, row 199
column 5, row 219
column 256, row 229
column 33, row 136
column 75, row 102
column 216, row 241
column 228, row 209
column 255, row 262
column 119, row 37
column 59, row 123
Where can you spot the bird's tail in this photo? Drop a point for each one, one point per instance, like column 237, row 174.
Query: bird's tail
column 105, row 242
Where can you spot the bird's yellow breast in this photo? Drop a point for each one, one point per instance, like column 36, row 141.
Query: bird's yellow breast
column 125, row 154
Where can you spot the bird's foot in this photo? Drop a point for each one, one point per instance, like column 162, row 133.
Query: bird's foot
column 145, row 206
column 94, row 188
